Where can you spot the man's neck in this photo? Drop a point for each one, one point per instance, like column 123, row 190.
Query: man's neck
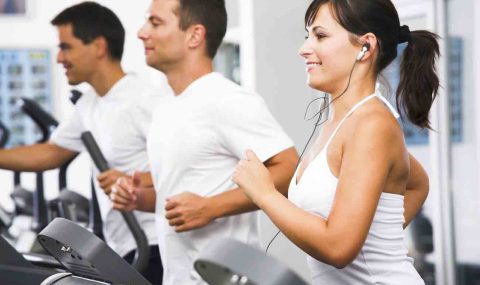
column 105, row 77
column 180, row 78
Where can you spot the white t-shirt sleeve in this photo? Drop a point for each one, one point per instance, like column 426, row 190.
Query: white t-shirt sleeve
column 68, row 133
column 244, row 122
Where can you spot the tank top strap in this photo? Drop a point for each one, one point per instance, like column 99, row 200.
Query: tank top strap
column 354, row 108
column 389, row 105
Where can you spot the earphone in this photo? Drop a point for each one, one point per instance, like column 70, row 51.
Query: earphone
column 361, row 54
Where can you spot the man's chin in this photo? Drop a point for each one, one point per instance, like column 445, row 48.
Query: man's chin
column 156, row 65
column 150, row 63
column 73, row 82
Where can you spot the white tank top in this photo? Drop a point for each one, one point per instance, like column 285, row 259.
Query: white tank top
column 383, row 258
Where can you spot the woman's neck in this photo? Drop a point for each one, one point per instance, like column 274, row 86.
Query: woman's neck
column 341, row 102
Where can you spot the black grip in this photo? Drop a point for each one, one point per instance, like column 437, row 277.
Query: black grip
column 42, row 119
column 75, row 95
column 95, row 152
column 142, row 256
column 4, row 135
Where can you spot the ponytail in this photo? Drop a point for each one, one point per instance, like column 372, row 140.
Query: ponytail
column 419, row 81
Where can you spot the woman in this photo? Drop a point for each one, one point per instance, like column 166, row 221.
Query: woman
column 357, row 187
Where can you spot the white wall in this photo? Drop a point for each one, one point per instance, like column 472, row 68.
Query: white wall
column 463, row 22
column 280, row 78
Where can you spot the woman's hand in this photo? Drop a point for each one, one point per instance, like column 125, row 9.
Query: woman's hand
column 254, row 178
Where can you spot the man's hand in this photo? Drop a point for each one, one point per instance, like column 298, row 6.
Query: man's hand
column 108, row 178
column 188, row 211
column 124, row 193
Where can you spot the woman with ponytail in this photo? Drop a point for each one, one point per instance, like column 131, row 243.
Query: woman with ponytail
column 357, row 187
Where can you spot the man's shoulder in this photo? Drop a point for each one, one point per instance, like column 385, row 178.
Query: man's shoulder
column 137, row 86
column 240, row 96
column 140, row 93
column 227, row 90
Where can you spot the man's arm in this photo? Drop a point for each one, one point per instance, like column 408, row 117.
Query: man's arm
column 281, row 167
column 188, row 211
column 417, row 190
column 37, row 157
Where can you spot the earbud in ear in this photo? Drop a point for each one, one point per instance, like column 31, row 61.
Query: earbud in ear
column 361, row 54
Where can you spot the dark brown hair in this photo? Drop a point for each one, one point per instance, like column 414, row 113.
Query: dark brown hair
column 209, row 13
column 91, row 20
column 419, row 82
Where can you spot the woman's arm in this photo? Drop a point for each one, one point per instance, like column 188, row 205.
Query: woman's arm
column 417, row 190
column 366, row 163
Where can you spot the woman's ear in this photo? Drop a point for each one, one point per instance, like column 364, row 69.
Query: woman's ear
column 369, row 46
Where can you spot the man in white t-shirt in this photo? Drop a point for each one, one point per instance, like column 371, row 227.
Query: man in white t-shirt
column 197, row 137
column 117, row 111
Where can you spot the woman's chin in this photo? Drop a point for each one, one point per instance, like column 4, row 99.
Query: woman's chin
column 316, row 85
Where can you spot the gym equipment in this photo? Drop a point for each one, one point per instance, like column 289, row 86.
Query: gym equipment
column 4, row 135
column 228, row 261
column 22, row 198
column 46, row 123
column 68, row 204
column 16, row 270
column 89, row 261
column 75, row 95
column 5, row 217
column 422, row 237
column 87, row 258
column 140, row 262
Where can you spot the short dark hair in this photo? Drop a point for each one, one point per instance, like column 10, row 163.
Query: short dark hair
column 209, row 13
column 91, row 20
column 419, row 81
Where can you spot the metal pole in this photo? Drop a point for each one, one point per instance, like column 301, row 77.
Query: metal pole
column 444, row 230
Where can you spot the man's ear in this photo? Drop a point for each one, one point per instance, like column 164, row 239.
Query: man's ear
column 101, row 46
column 196, row 36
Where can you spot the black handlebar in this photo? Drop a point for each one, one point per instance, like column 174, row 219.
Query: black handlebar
column 4, row 135
column 142, row 255
column 75, row 95
column 44, row 121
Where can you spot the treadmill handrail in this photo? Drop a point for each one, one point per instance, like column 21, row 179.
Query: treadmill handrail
column 142, row 255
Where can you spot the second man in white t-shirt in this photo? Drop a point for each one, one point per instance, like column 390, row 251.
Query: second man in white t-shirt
column 197, row 138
